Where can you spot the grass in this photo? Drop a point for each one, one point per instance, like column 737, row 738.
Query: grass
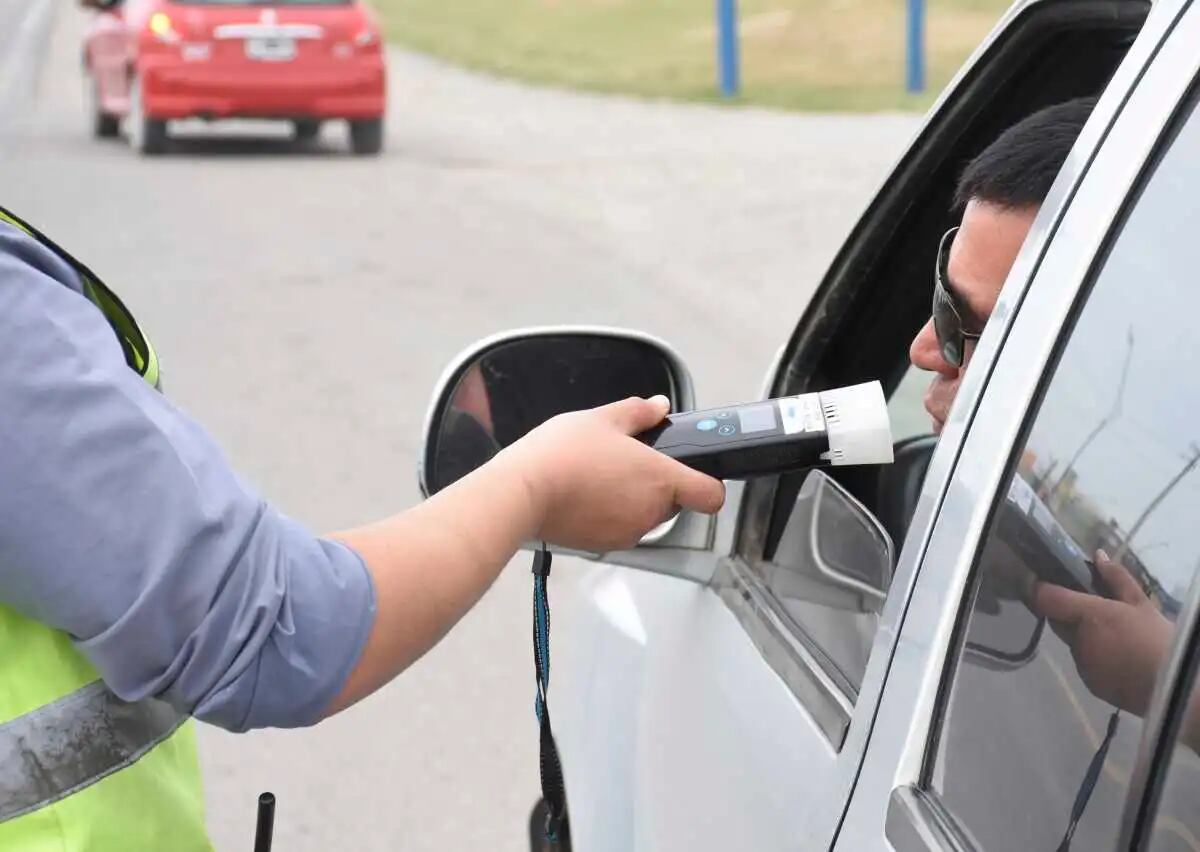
column 796, row 54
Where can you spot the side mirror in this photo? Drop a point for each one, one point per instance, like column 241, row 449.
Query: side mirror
column 834, row 552
column 498, row 390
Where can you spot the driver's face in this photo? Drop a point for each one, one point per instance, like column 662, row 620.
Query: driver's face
column 983, row 252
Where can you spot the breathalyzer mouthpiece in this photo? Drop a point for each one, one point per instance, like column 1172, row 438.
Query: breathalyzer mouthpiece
column 857, row 423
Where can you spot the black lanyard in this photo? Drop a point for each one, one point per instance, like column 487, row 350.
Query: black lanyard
column 553, row 789
column 1089, row 782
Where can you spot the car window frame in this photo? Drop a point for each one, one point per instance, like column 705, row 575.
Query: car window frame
column 1057, row 263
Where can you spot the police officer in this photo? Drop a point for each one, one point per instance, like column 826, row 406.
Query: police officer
column 142, row 583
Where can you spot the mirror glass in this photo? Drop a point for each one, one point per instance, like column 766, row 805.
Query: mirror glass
column 501, row 393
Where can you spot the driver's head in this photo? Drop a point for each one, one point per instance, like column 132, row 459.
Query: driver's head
column 999, row 193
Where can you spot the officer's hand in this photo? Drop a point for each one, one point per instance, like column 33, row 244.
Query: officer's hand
column 1118, row 645
column 598, row 489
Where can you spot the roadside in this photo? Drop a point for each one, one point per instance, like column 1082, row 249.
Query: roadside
column 825, row 55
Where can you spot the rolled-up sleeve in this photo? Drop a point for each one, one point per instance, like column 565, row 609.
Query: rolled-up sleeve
column 122, row 524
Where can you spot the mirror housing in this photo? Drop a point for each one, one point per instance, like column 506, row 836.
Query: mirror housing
column 497, row 390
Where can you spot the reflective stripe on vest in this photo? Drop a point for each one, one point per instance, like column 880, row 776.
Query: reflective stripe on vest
column 80, row 769
column 139, row 353
column 64, row 746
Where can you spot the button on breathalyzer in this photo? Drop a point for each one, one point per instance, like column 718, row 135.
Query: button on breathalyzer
column 845, row 426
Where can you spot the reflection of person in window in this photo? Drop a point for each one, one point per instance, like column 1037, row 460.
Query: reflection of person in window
column 1118, row 644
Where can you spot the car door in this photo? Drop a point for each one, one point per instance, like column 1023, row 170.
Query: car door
column 1071, row 443
column 700, row 702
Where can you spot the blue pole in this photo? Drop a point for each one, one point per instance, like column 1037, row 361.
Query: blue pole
column 916, row 46
column 727, row 47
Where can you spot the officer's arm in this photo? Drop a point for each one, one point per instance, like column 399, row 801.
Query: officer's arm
column 122, row 524
column 579, row 480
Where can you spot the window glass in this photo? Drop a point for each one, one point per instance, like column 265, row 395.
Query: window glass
column 1092, row 548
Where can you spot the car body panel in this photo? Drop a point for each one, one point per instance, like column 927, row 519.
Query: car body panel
column 668, row 727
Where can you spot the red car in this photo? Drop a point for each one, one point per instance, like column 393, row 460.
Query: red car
column 305, row 61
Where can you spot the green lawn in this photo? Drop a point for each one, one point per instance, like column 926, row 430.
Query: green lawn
column 797, row 54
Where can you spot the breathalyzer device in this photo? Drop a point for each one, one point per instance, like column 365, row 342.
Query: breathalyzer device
column 844, row 426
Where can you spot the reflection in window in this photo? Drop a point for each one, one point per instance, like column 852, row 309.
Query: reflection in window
column 1092, row 548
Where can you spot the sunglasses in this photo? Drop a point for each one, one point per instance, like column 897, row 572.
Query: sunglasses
column 948, row 310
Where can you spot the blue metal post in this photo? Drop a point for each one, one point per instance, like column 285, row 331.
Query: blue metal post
column 727, row 47
column 915, row 76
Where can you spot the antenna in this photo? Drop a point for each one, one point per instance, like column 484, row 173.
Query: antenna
column 265, row 831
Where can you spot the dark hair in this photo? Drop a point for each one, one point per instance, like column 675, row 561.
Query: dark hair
column 1018, row 169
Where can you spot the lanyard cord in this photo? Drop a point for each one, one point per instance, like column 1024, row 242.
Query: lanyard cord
column 553, row 789
column 1089, row 782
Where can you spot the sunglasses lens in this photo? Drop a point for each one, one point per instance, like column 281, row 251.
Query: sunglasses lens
column 952, row 352
column 948, row 327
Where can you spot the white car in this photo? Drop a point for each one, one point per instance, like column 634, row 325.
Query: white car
column 839, row 660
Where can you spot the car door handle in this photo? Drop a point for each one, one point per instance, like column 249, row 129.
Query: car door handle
column 917, row 822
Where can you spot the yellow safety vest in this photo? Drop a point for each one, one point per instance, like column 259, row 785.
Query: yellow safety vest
column 80, row 769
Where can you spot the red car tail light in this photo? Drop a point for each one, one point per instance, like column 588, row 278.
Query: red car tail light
column 162, row 28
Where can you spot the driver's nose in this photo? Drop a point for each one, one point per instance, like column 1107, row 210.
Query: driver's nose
column 926, row 354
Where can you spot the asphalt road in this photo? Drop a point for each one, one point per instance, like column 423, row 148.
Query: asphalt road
column 304, row 303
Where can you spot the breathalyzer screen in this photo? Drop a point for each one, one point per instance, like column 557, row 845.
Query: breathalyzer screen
column 757, row 418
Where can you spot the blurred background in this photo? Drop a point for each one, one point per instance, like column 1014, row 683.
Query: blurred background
column 840, row 55
column 543, row 161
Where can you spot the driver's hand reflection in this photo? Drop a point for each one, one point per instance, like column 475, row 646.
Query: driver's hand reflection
column 1119, row 644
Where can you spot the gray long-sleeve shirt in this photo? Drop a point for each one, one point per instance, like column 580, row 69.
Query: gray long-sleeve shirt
column 122, row 524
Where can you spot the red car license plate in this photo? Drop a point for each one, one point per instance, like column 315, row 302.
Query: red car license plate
column 271, row 49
